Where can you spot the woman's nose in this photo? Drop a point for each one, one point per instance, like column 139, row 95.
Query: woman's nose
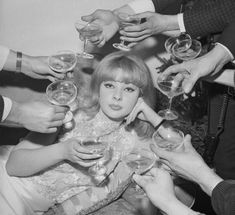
column 117, row 95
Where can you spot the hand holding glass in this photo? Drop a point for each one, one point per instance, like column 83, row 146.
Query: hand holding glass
column 98, row 170
column 62, row 61
column 125, row 20
column 86, row 31
column 63, row 93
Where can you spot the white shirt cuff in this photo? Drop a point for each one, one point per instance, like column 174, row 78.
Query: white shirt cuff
column 180, row 19
column 7, row 107
column 140, row 6
column 4, row 51
column 230, row 53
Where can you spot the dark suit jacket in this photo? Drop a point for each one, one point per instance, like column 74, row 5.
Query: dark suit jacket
column 1, row 107
column 205, row 17
column 209, row 16
column 227, row 37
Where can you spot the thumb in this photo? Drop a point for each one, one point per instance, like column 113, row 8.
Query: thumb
column 87, row 18
column 187, row 142
column 139, row 180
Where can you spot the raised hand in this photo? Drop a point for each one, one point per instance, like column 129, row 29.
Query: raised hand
column 158, row 186
column 154, row 23
column 144, row 112
column 109, row 22
column 205, row 66
column 189, row 164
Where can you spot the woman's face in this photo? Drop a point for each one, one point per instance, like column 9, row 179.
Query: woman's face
column 117, row 99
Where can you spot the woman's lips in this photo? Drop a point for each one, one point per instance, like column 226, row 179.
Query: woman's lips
column 115, row 107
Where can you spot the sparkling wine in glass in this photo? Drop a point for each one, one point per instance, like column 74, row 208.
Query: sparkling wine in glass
column 86, row 31
column 140, row 160
column 63, row 93
column 169, row 87
column 125, row 20
column 168, row 137
column 171, row 41
column 62, row 61
column 190, row 53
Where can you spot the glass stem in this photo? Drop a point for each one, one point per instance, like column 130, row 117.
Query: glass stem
column 85, row 45
column 170, row 102
column 122, row 42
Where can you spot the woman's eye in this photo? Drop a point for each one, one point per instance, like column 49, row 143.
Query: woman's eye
column 129, row 89
column 108, row 85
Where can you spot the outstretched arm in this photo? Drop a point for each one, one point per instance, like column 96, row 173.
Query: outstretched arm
column 32, row 66
column 37, row 152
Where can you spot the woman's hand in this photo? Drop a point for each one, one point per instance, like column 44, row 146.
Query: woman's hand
column 73, row 151
column 143, row 112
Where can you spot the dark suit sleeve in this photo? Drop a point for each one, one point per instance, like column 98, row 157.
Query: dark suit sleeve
column 208, row 16
column 223, row 198
column 161, row 5
column 227, row 37
column 1, row 107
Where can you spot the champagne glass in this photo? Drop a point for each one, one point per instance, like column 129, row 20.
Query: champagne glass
column 167, row 85
column 185, row 54
column 171, row 41
column 125, row 20
column 63, row 93
column 96, row 146
column 62, row 61
column 86, row 31
column 140, row 160
column 168, row 137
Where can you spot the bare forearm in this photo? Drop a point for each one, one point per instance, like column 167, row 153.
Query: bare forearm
column 25, row 162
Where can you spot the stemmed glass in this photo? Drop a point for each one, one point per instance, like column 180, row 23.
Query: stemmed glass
column 171, row 41
column 189, row 53
column 183, row 47
column 86, row 31
column 125, row 20
column 62, row 61
column 140, row 160
column 96, row 146
column 168, row 86
column 63, row 93
column 168, row 137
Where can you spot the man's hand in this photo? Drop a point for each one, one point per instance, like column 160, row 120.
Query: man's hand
column 154, row 23
column 37, row 116
column 109, row 23
column 37, row 67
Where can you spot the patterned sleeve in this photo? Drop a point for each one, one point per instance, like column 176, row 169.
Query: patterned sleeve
column 223, row 197
column 208, row 16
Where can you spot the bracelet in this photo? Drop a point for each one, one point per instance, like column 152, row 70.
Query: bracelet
column 18, row 61
column 159, row 125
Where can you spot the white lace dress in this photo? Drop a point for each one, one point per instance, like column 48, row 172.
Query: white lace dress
column 35, row 194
